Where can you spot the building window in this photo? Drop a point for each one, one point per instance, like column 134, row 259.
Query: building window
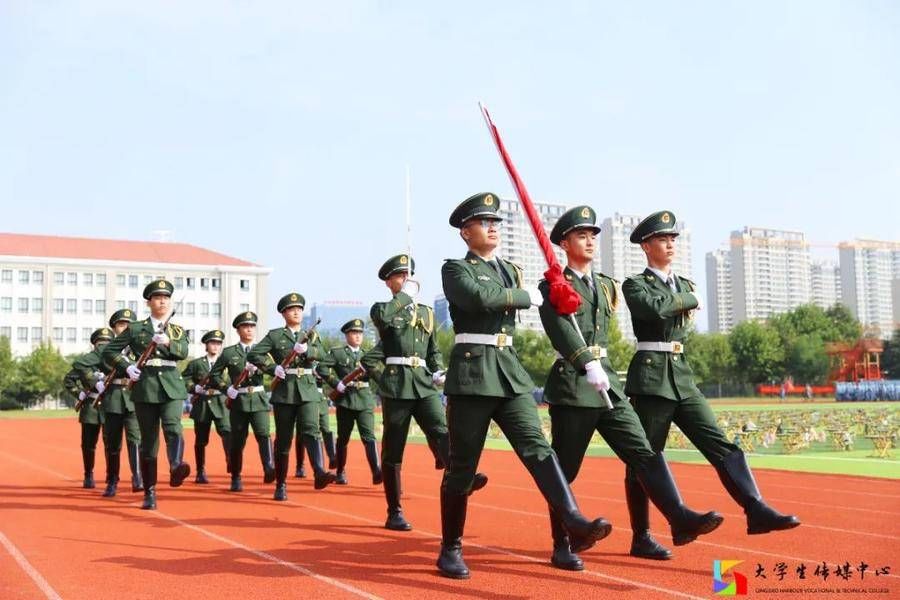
column 189, row 282
column 57, row 334
column 99, row 306
column 71, row 306
column 204, row 309
column 37, row 334
column 101, row 278
column 87, row 306
column 132, row 306
column 216, row 309
column 58, row 306
column 6, row 332
column 189, row 309
column 245, row 307
column 132, row 281
column 6, row 304
column 59, row 278
column 204, row 283
column 85, row 334
column 148, row 279
column 72, row 278
column 7, row 276
column 71, row 334
column 37, row 305
column 215, row 283
column 22, row 334
column 120, row 304
column 179, row 283
column 23, row 305
column 120, row 280
column 245, row 284
column 88, row 278
column 37, row 277
column 24, row 276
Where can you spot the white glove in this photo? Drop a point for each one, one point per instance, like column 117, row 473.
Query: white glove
column 133, row 372
column 82, row 396
column 596, row 376
column 198, row 389
column 439, row 377
column 100, row 387
column 161, row 339
column 300, row 347
column 251, row 368
column 340, row 387
column 410, row 288
column 98, row 375
column 535, row 294
column 231, row 392
column 279, row 372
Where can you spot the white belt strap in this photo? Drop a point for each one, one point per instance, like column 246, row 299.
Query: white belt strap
column 213, row 392
column 358, row 384
column 299, row 371
column 674, row 347
column 159, row 362
column 408, row 361
column 251, row 390
column 121, row 381
column 487, row 339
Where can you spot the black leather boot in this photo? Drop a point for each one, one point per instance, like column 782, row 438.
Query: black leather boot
column 314, row 452
column 374, row 461
column 392, row 491
column 178, row 469
column 583, row 533
column 264, row 443
column 237, row 465
column 112, row 474
column 134, row 462
column 148, row 468
column 563, row 557
column 737, row 478
column 300, row 450
column 330, row 449
column 200, row 455
column 340, row 477
column 643, row 545
column 226, row 447
column 281, row 466
column 453, row 521
column 87, row 458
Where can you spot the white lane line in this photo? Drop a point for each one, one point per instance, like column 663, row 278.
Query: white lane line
column 29, row 570
column 258, row 553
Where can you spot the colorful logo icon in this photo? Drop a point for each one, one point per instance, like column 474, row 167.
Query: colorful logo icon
column 736, row 587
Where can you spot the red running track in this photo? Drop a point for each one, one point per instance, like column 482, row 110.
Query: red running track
column 58, row 540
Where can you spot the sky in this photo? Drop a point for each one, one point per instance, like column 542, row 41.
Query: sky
column 280, row 132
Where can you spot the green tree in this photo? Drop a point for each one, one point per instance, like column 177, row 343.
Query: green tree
column 536, row 354
column 806, row 360
column 444, row 340
column 619, row 349
column 41, row 372
column 711, row 357
column 758, row 352
column 7, row 366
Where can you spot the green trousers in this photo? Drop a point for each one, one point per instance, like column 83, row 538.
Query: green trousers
column 692, row 415
column 90, row 433
column 150, row 417
column 468, row 419
column 363, row 419
column 324, row 425
column 397, row 413
column 241, row 422
column 572, row 428
column 287, row 417
column 114, row 426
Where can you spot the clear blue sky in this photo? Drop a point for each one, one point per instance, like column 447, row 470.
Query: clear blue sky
column 279, row 132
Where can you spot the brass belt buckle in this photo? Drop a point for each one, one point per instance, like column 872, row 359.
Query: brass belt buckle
column 414, row 362
column 677, row 348
column 501, row 339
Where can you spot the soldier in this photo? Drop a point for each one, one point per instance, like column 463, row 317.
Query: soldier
column 296, row 395
column 356, row 404
column 248, row 404
column 486, row 381
column 661, row 383
column 408, row 366
column 158, row 392
column 119, row 416
column 80, row 381
column 209, row 403
column 324, row 430
column 582, row 369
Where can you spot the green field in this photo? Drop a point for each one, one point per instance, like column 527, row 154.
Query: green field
column 821, row 460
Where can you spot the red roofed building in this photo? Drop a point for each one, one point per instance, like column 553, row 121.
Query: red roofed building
column 60, row 289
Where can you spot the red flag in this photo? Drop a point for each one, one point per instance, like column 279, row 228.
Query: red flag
column 563, row 296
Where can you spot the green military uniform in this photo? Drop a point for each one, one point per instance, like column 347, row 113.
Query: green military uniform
column 295, row 396
column 119, row 417
column 324, row 430
column 661, row 383
column 577, row 409
column 486, row 381
column 158, row 394
column 405, row 363
column 248, row 408
column 80, row 382
column 355, row 405
column 207, row 406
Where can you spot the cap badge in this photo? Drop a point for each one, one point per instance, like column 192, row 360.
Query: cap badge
column 665, row 218
column 489, row 200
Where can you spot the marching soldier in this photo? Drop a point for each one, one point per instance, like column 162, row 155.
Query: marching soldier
column 408, row 367
column 158, row 392
column 582, row 370
column 209, row 405
column 296, row 395
column 119, row 416
column 324, row 430
column 486, row 381
column 661, row 384
column 356, row 404
column 80, row 381
column 247, row 403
